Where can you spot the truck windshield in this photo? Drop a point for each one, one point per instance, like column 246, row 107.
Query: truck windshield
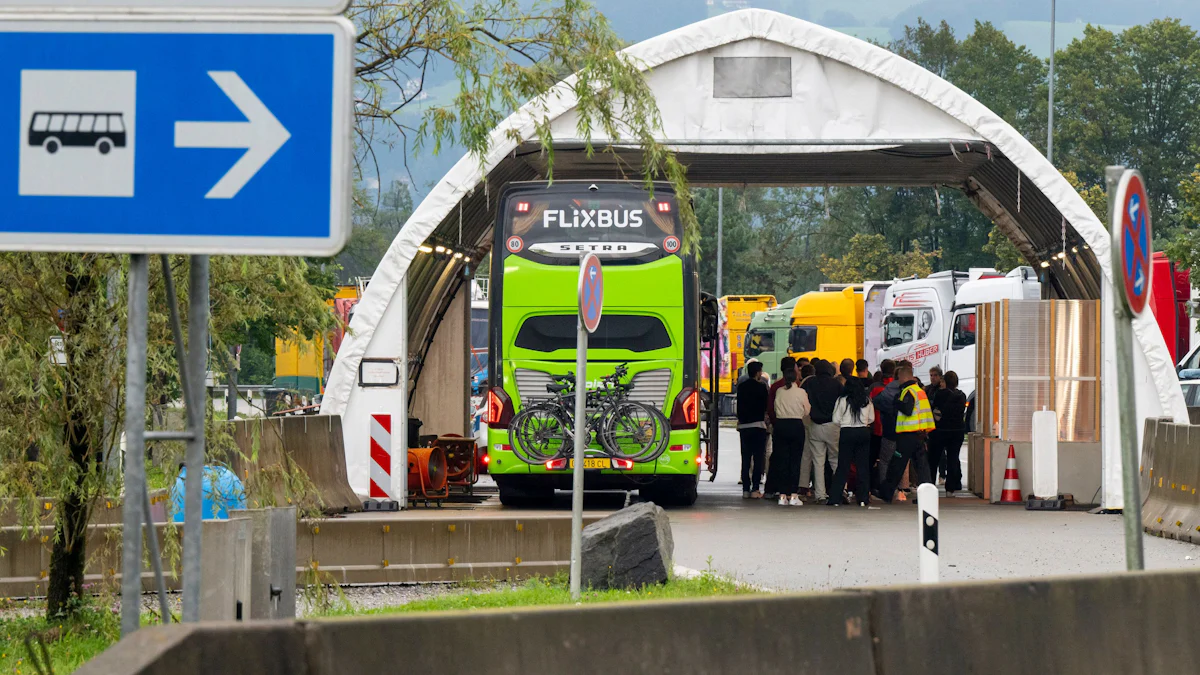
column 759, row 342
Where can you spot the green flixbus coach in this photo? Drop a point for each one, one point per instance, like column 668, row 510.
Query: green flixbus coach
column 652, row 322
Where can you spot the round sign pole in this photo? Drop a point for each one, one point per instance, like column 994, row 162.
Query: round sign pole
column 1129, row 217
column 591, row 306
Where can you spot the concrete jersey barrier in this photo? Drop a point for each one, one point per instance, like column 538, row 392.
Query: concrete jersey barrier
column 1121, row 623
column 1170, row 477
column 311, row 443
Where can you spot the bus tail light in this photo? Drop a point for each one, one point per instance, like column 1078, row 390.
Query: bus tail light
column 624, row 464
column 522, row 207
column 499, row 408
column 556, row 464
column 664, row 207
column 686, row 412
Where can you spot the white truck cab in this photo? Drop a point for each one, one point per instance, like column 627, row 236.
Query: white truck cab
column 959, row 353
column 931, row 321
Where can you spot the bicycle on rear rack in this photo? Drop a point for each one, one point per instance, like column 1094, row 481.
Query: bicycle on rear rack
column 625, row 429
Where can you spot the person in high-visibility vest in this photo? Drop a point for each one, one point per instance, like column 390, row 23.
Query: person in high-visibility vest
column 914, row 419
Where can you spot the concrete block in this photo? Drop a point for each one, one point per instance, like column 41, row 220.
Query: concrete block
column 267, row 648
column 1119, row 623
column 796, row 635
column 272, row 562
column 225, row 570
column 1079, row 468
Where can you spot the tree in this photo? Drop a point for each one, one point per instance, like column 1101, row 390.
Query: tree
column 1184, row 249
column 503, row 53
column 376, row 224
column 1005, row 77
column 934, row 49
column 62, row 364
column 869, row 256
column 735, row 242
column 1132, row 99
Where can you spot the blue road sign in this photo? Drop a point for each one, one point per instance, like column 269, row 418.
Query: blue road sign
column 1132, row 226
column 591, row 292
column 175, row 136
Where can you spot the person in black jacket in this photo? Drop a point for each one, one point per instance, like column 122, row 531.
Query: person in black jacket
column 949, row 409
column 752, row 428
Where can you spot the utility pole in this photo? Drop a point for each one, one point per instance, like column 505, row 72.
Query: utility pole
column 720, row 234
column 1050, row 120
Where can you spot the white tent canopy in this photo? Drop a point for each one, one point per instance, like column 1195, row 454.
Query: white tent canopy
column 755, row 98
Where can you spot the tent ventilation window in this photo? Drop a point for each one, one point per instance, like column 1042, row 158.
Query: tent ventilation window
column 752, row 77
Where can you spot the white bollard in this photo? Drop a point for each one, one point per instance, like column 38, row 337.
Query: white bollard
column 1045, row 454
column 927, row 529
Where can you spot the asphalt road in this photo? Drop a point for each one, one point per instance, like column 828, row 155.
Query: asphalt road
column 818, row 547
column 815, row 547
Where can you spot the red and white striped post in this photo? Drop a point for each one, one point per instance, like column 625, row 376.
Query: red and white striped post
column 383, row 492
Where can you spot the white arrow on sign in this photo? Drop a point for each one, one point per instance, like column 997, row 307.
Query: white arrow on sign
column 261, row 135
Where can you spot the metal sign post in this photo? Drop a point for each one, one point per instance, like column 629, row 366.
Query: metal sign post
column 591, row 306
column 1129, row 215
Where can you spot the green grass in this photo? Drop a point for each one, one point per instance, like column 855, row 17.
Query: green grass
column 69, row 642
column 72, row 642
column 556, row 591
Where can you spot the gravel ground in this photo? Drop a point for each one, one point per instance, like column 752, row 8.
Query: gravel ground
column 361, row 598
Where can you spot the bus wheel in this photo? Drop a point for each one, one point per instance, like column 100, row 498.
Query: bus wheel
column 51, row 145
column 104, row 146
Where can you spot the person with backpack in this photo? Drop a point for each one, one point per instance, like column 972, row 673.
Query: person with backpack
column 854, row 416
column 914, row 419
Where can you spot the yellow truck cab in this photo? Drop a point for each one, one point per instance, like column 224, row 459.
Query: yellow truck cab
column 736, row 312
column 828, row 325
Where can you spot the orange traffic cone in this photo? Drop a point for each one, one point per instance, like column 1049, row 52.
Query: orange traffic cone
column 1011, row 493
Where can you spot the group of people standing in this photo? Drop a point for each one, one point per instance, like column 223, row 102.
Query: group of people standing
column 819, row 430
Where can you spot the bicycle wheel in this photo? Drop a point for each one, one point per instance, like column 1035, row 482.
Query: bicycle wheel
column 635, row 431
column 540, row 433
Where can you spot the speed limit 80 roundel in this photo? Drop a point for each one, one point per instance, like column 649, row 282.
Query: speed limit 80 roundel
column 1131, row 228
column 514, row 244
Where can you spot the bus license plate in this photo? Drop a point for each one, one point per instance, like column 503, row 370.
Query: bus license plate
column 595, row 463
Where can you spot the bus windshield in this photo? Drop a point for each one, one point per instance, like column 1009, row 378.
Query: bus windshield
column 558, row 223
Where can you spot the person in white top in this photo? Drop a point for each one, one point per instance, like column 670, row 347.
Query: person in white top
column 853, row 414
column 791, row 407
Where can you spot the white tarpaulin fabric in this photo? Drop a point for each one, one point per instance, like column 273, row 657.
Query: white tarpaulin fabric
column 843, row 89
